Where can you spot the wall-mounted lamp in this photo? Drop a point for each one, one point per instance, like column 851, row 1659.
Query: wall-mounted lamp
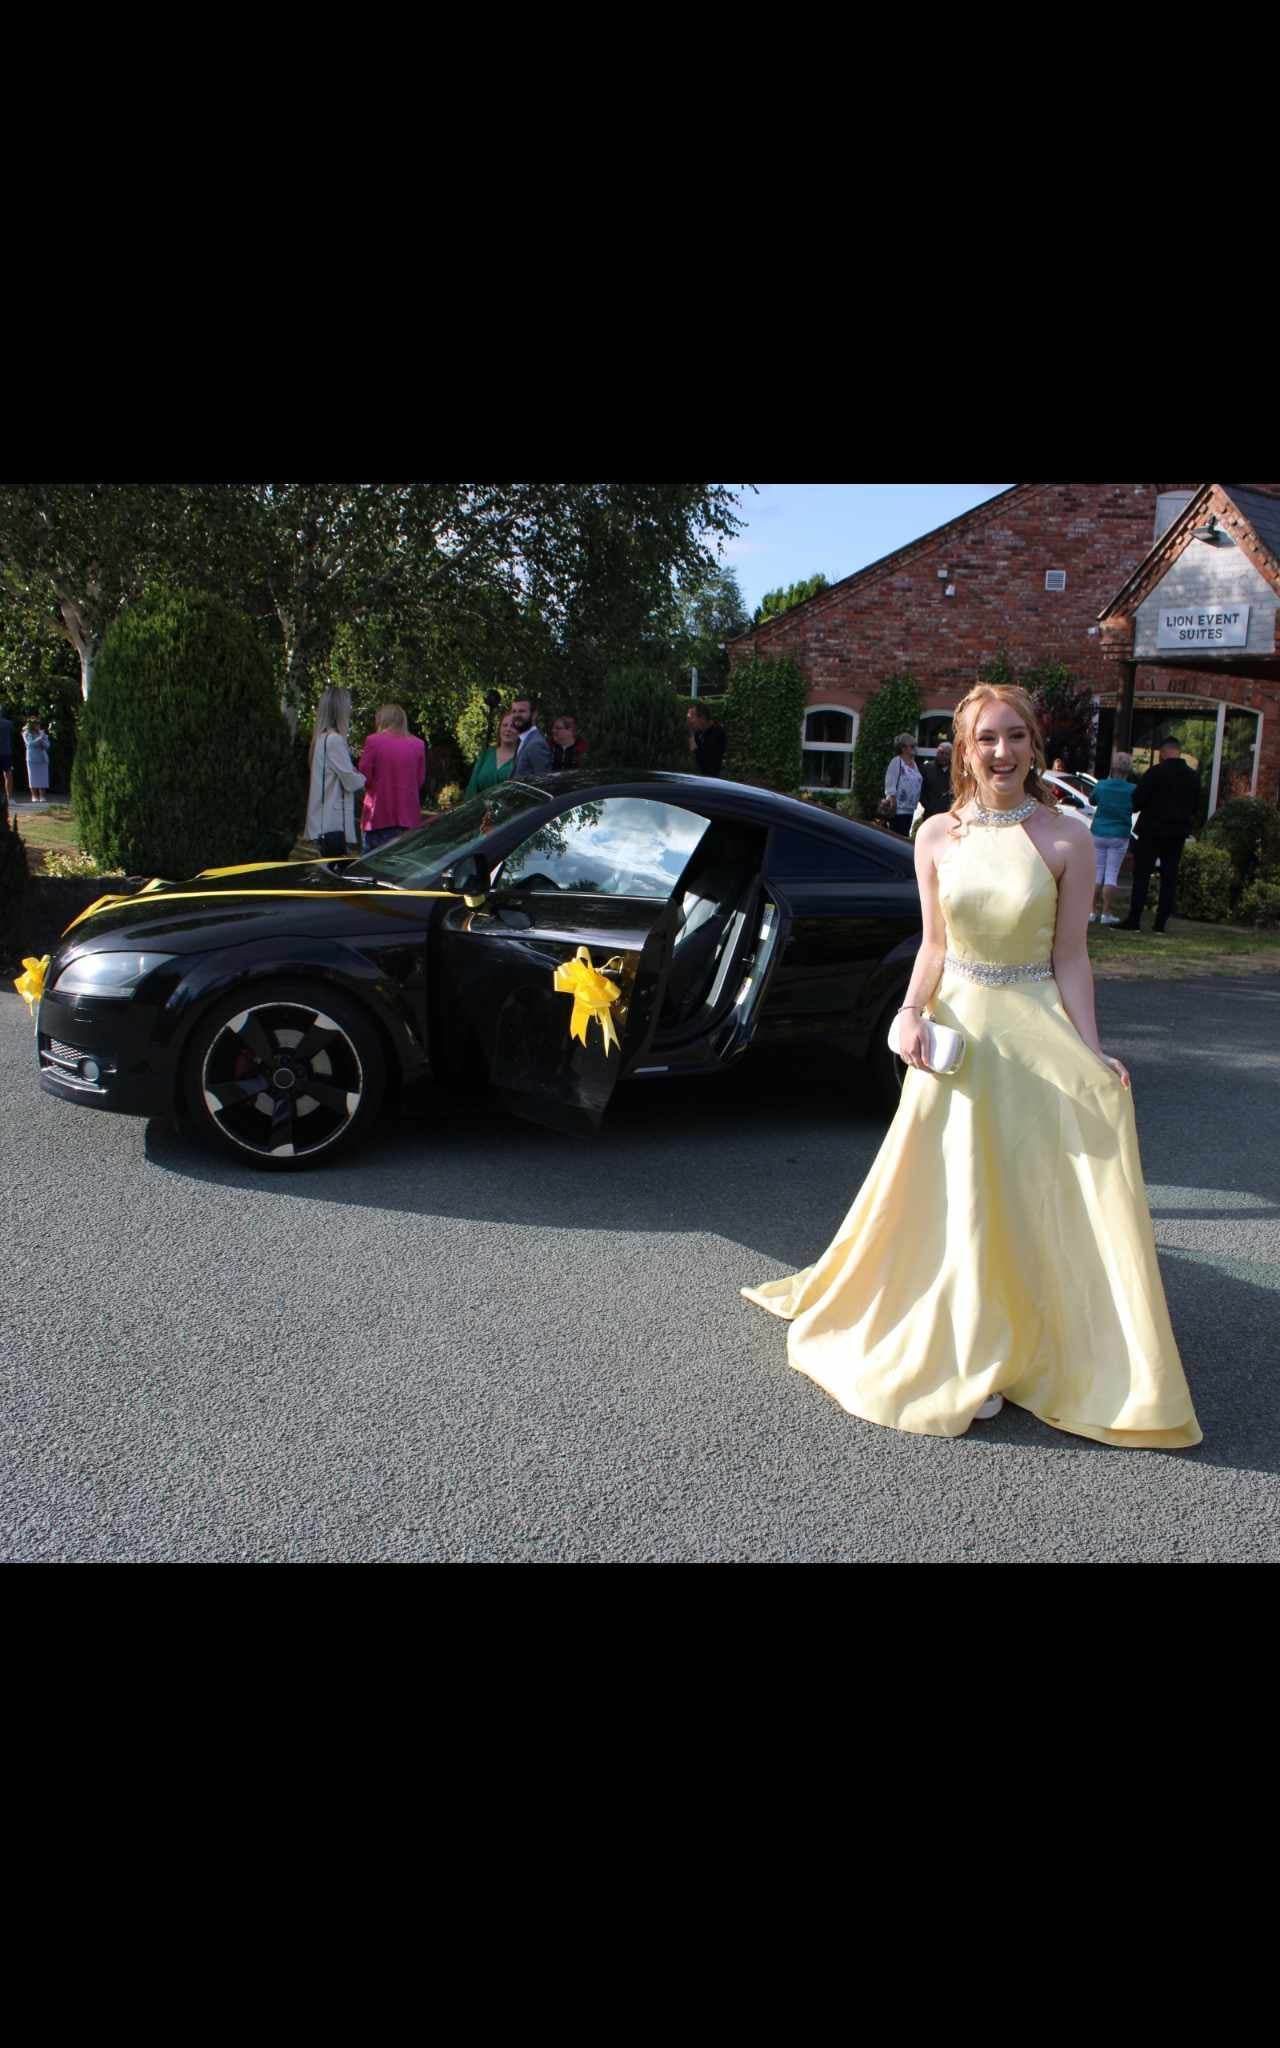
column 1092, row 631
column 943, row 575
column 1208, row 532
column 950, row 590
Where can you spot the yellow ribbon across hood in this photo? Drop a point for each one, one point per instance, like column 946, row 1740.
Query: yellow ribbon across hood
column 593, row 996
column 218, row 895
column 30, row 983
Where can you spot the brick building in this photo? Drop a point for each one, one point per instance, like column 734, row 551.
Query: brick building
column 1074, row 573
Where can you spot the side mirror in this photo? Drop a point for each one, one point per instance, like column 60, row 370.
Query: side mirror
column 469, row 878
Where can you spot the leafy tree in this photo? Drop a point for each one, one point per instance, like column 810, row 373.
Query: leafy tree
column 184, row 760
column 79, row 553
column 640, row 723
column 39, row 676
column 893, row 708
column 541, row 585
column 764, row 719
column 709, row 613
column 554, row 578
column 776, row 601
column 474, row 725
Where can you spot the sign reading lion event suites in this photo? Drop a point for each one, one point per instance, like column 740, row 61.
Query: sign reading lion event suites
column 1184, row 626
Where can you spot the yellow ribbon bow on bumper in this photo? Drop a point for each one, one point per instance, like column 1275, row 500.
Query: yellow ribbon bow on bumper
column 30, row 983
column 593, row 996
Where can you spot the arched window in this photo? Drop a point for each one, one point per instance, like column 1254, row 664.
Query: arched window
column 827, row 739
column 933, row 727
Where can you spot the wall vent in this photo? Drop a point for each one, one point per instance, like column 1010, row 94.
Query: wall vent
column 1055, row 579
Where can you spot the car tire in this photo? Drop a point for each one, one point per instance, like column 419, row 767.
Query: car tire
column 318, row 1059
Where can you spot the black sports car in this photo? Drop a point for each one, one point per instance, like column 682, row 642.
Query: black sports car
column 547, row 938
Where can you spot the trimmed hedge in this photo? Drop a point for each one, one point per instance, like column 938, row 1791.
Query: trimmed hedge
column 1205, row 882
column 469, row 729
column 764, row 720
column 1260, row 904
column 639, row 722
column 1250, row 831
column 184, row 758
column 893, row 708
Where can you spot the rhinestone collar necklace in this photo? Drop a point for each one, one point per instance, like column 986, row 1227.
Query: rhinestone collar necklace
column 982, row 816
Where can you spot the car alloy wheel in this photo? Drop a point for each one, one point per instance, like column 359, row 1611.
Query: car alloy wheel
column 284, row 1078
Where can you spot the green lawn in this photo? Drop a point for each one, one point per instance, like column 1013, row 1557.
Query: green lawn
column 53, row 825
column 1185, row 949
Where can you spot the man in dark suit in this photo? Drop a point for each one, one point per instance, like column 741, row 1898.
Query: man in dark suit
column 935, row 789
column 1168, row 799
column 533, row 755
column 707, row 740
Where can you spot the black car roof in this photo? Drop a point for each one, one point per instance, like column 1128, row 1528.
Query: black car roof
column 733, row 799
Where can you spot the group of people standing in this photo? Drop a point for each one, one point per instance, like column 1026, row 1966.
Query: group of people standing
column 1165, row 802
column 392, row 771
column 908, row 783
column 522, row 748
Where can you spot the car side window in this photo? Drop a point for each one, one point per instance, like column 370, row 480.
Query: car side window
column 809, row 857
column 608, row 846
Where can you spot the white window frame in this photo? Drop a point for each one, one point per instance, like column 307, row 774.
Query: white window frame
column 947, row 711
column 808, row 746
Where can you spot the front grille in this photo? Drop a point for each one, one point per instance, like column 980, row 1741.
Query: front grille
column 66, row 1055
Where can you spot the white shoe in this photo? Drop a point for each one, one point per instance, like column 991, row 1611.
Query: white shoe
column 1093, row 917
column 990, row 1408
column 1110, row 920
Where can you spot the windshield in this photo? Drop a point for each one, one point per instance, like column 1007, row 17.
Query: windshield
column 419, row 857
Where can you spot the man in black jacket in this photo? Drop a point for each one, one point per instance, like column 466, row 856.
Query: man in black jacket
column 706, row 740
column 935, row 790
column 1168, row 798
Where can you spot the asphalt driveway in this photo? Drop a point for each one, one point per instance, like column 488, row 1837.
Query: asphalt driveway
column 481, row 1341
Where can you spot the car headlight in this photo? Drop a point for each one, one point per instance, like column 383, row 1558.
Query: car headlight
column 107, row 974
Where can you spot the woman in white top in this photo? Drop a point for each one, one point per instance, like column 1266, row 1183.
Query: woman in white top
column 331, row 823
column 902, row 782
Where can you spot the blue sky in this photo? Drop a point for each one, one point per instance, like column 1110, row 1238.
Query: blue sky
column 791, row 530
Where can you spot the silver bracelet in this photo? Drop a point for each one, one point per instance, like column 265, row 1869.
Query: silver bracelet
column 917, row 1007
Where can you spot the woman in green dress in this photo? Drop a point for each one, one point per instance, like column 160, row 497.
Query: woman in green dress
column 496, row 763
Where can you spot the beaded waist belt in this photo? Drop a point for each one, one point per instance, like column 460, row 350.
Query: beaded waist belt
column 998, row 977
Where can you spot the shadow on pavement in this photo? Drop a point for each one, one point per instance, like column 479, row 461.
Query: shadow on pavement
column 686, row 1156
column 672, row 1156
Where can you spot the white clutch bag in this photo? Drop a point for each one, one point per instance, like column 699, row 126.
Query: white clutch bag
column 945, row 1047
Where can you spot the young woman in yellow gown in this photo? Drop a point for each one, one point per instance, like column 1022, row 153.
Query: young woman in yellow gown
column 1001, row 1245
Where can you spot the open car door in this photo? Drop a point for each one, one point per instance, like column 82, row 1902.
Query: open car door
column 558, row 979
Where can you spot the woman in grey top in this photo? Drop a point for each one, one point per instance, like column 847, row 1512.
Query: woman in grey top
column 331, row 823
column 902, row 780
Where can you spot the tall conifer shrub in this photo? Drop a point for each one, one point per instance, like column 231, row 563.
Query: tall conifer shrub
column 184, row 758
column 893, row 708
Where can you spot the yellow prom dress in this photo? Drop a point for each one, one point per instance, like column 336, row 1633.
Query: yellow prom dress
column 1001, row 1242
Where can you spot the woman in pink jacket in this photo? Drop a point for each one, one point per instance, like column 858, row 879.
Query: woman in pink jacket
column 394, row 766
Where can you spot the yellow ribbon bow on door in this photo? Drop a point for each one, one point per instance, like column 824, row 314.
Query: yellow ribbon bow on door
column 30, row 983
column 593, row 996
